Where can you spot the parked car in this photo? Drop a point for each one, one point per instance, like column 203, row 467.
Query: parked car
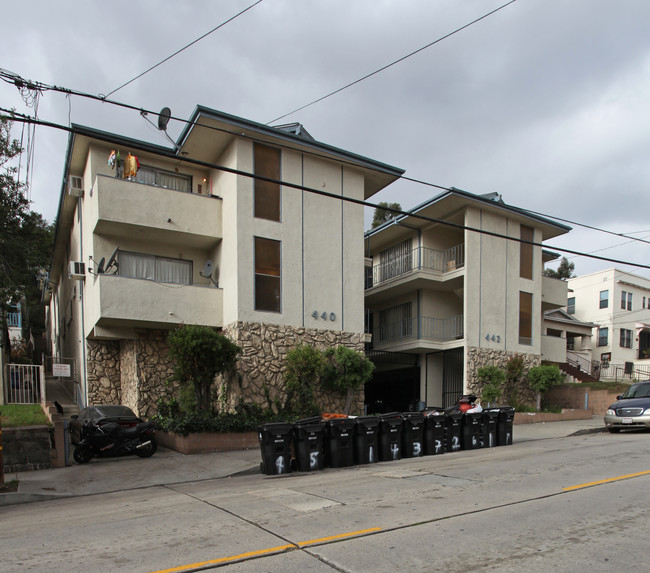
column 100, row 415
column 632, row 410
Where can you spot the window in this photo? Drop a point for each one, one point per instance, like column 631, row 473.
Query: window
column 571, row 305
column 626, row 338
column 526, row 252
column 161, row 178
column 266, row 162
column 395, row 323
column 604, row 299
column 643, row 302
column 267, row 274
column 396, row 260
column 603, row 336
column 626, row 300
column 150, row 267
column 525, row 318
column 570, row 343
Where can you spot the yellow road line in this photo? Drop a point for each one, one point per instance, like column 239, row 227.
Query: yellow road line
column 339, row 536
column 279, row 549
column 574, row 487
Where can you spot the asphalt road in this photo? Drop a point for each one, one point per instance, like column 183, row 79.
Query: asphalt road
column 571, row 504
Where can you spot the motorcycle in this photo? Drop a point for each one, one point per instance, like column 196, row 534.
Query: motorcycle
column 113, row 440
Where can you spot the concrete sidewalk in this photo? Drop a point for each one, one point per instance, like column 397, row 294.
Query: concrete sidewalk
column 169, row 467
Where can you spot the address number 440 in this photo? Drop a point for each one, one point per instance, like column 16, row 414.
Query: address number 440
column 324, row 315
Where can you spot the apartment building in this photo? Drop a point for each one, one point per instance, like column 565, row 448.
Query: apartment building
column 455, row 285
column 149, row 237
column 618, row 303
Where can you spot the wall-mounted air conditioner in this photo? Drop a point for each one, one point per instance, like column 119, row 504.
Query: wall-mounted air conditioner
column 77, row 270
column 76, row 186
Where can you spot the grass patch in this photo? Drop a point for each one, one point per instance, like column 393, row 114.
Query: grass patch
column 15, row 415
column 9, row 486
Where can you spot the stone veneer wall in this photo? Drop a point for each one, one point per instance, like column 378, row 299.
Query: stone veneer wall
column 103, row 372
column 130, row 372
column 479, row 357
column 264, row 350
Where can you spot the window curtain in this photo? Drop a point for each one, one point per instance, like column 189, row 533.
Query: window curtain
column 139, row 266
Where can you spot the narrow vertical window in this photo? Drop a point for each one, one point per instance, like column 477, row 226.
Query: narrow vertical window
column 525, row 318
column 604, row 298
column 603, row 336
column 571, row 305
column 267, row 194
column 526, row 252
column 267, row 274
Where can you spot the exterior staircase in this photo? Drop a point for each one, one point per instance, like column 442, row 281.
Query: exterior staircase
column 577, row 373
column 57, row 391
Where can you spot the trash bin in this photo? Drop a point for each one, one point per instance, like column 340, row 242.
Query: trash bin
column 489, row 428
column 339, row 442
column 504, row 426
column 275, row 444
column 452, row 431
column 366, row 429
column 471, row 431
column 309, row 439
column 412, row 434
column 390, row 437
column 434, row 434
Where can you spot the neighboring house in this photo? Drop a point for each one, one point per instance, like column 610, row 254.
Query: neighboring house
column 618, row 303
column 444, row 300
column 150, row 237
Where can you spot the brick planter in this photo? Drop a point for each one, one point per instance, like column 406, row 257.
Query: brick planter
column 204, row 442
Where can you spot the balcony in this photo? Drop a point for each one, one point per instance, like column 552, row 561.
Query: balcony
column 419, row 259
column 412, row 332
column 114, row 301
column 123, row 207
column 554, row 293
column 14, row 320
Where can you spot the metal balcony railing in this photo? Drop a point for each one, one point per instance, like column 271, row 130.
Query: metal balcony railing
column 420, row 258
column 421, row 328
column 14, row 320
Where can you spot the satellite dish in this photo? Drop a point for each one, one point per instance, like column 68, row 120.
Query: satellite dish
column 163, row 118
column 100, row 267
column 208, row 267
column 112, row 261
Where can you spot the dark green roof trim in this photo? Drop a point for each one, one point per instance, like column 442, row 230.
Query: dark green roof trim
column 288, row 137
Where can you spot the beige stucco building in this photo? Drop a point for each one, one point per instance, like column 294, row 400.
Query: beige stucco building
column 618, row 303
column 447, row 292
column 149, row 237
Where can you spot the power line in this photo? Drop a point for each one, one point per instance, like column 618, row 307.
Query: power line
column 182, row 49
column 22, row 84
column 392, row 63
column 172, row 155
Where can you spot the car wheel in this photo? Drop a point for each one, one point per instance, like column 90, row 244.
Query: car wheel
column 614, row 430
column 83, row 454
column 149, row 450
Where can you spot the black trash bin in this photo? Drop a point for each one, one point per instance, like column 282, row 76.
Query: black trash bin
column 275, row 444
column 412, row 434
column 453, row 427
column 339, row 442
column 366, row 429
column 504, row 426
column 471, row 430
column 309, row 444
column 390, row 437
column 489, row 428
column 434, row 434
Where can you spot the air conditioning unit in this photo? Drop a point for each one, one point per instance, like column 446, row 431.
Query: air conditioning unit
column 76, row 186
column 77, row 270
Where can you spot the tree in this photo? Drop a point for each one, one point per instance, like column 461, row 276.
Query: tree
column 25, row 237
column 304, row 364
column 564, row 270
column 383, row 213
column 541, row 378
column 345, row 371
column 491, row 379
column 201, row 353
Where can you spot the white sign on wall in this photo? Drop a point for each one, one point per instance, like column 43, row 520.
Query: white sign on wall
column 61, row 370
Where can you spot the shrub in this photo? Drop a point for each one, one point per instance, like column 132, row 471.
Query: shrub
column 491, row 380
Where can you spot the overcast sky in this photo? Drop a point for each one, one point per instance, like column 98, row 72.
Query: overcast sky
column 545, row 102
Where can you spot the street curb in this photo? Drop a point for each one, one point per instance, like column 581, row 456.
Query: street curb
column 589, row 431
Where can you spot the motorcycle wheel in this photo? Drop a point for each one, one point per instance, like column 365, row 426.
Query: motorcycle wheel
column 148, row 451
column 83, row 454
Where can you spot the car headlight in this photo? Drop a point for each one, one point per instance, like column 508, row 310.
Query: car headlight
column 611, row 412
column 647, row 412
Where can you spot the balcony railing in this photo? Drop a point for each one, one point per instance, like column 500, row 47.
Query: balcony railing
column 14, row 320
column 420, row 258
column 421, row 328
